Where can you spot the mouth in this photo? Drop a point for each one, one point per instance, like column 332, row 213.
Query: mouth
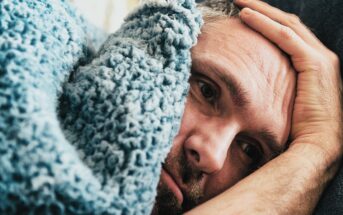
column 171, row 183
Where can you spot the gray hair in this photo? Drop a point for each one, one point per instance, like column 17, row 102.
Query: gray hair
column 217, row 9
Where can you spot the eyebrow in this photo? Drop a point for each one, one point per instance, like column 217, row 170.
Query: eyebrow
column 240, row 99
column 238, row 94
column 270, row 139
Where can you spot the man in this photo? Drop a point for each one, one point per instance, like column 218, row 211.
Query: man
column 239, row 115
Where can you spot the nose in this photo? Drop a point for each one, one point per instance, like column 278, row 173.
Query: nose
column 207, row 148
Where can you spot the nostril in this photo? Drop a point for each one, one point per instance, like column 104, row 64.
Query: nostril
column 195, row 155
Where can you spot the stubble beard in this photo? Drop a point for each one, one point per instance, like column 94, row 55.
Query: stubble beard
column 166, row 201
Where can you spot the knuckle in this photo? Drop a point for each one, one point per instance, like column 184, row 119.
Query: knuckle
column 294, row 19
column 287, row 33
column 334, row 57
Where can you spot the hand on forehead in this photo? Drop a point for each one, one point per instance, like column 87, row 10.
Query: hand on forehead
column 260, row 67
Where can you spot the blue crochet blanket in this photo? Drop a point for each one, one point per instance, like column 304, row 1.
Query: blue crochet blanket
column 84, row 132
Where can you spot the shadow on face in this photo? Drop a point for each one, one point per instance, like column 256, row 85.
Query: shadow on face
column 237, row 115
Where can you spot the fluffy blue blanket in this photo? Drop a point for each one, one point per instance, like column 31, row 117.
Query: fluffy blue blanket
column 86, row 133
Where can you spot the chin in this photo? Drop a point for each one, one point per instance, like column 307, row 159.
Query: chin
column 166, row 202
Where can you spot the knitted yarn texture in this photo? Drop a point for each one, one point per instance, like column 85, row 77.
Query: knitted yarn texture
column 84, row 132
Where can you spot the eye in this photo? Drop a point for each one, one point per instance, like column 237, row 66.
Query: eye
column 208, row 92
column 253, row 152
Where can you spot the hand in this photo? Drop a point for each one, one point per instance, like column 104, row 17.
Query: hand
column 292, row 182
column 317, row 116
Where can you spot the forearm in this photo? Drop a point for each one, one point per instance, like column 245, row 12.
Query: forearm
column 293, row 182
column 289, row 184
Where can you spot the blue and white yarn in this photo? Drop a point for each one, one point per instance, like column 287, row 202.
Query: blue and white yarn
column 84, row 132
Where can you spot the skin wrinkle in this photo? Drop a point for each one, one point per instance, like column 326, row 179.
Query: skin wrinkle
column 275, row 100
column 197, row 63
column 239, row 94
column 206, row 157
column 253, row 48
column 271, row 82
column 260, row 69
column 213, row 27
column 224, row 63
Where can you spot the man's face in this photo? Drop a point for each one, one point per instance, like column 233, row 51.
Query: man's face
column 237, row 115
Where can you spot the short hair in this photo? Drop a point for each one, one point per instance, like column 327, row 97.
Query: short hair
column 217, row 9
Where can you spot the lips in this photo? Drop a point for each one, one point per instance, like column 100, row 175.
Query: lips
column 170, row 182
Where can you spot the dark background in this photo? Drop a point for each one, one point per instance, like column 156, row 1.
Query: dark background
column 325, row 19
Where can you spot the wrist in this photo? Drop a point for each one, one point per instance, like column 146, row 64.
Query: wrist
column 320, row 161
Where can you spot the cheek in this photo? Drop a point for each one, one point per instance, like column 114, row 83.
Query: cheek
column 232, row 172
column 186, row 128
column 190, row 122
column 190, row 118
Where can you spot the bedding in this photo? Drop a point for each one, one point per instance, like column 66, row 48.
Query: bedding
column 83, row 129
column 85, row 132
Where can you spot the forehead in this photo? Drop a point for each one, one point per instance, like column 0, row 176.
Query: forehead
column 258, row 65
column 237, row 45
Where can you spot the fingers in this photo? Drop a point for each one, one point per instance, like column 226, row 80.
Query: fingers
column 290, row 20
column 281, row 35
